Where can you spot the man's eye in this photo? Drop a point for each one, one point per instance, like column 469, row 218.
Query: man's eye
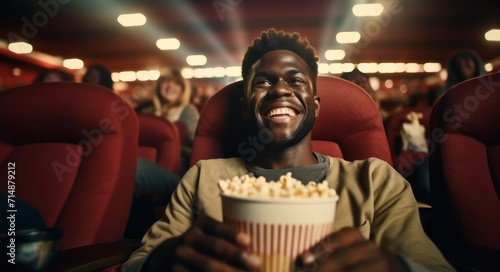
column 262, row 83
column 296, row 81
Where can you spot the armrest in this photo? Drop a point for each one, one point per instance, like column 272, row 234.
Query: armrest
column 94, row 257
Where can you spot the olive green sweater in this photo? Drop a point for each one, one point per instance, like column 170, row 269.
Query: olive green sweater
column 372, row 196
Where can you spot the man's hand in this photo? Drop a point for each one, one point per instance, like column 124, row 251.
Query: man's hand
column 348, row 250
column 208, row 246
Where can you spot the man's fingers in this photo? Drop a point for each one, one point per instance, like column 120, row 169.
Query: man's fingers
column 216, row 240
column 221, row 249
column 335, row 241
column 213, row 227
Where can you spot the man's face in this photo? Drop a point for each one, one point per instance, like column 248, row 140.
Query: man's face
column 280, row 99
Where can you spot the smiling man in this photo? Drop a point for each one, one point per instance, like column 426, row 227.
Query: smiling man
column 377, row 225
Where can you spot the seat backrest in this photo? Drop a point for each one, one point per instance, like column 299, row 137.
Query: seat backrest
column 349, row 125
column 464, row 165
column 74, row 147
column 159, row 141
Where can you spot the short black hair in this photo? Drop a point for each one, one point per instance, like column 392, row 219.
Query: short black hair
column 272, row 39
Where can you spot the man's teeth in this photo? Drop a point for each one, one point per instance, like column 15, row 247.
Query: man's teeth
column 281, row 111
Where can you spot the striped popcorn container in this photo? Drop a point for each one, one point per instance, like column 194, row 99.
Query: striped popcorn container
column 281, row 228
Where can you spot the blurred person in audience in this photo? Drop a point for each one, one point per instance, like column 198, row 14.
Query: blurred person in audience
column 201, row 95
column 462, row 65
column 53, row 75
column 377, row 227
column 98, row 74
column 172, row 101
column 362, row 80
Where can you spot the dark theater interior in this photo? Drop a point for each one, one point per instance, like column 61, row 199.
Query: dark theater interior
column 177, row 135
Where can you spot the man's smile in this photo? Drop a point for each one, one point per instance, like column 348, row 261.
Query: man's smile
column 281, row 112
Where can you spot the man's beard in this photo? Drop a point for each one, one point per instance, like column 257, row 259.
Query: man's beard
column 258, row 130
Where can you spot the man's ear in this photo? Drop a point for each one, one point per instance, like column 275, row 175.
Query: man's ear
column 316, row 104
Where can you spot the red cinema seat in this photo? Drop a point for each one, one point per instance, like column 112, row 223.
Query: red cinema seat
column 465, row 169
column 75, row 151
column 159, row 142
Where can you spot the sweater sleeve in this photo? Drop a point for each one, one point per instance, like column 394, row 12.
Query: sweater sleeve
column 396, row 222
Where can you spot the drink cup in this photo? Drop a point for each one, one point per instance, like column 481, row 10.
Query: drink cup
column 281, row 228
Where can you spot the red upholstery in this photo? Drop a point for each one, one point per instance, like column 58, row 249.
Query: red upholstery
column 349, row 125
column 159, row 142
column 75, row 150
column 403, row 160
column 465, row 175
column 183, row 133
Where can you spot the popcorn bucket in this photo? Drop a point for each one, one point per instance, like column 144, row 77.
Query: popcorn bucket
column 280, row 228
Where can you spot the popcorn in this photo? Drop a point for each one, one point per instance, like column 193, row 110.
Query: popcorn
column 285, row 187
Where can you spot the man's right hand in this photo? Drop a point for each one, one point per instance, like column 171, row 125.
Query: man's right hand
column 208, row 246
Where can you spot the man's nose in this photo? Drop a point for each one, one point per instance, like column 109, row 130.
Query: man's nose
column 281, row 88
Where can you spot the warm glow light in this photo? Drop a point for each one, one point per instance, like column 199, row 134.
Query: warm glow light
column 403, row 88
column 73, row 63
column 412, row 67
column 219, row 72
column 375, row 83
column 348, row 67
column 367, row 9
column 389, row 84
column 132, row 19
column 233, row 71
column 143, row 75
column 199, row 73
column 371, row 67
column 168, row 44
column 127, row 76
column 488, row 67
column 432, row 67
column 400, row 67
column 492, row 35
column 387, row 67
column 209, row 72
column 348, row 37
column 323, row 68
column 204, row 72
column 154, row 74
column 120, row 86
column 20, row 47
column 187, row 73
column 115, row 76
column 443, row 74
column 336, row 68
column 335, row 54
column 196, row 60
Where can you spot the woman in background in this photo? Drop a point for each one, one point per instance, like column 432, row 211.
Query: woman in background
column 171, row 101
